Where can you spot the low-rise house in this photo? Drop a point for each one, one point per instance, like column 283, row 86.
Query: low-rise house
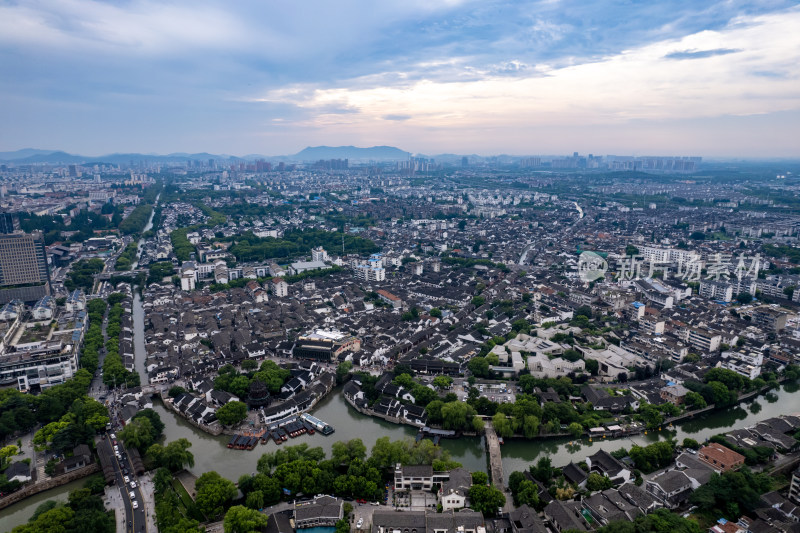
column 671, row 488
column 603, row 463
column 19, row 471
column 719, row 457
column 322, row 511
column 674, row 393
column 523, row 519
column 453, row 492
column 565, row 516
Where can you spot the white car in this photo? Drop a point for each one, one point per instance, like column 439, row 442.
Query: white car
column 135, row 504
column 133, row 484
column 359, row 523
column 113, row 435
column 116, row 448
column 132, row 495
column 126, row 478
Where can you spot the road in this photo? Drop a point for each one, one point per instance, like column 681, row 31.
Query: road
column 135, row 519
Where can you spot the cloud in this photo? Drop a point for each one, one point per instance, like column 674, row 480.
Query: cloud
column 641, row 83
column 436, row 69
column 701, row 54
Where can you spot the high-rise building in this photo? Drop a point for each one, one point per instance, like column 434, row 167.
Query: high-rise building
column 24, row 273
column 6, row 223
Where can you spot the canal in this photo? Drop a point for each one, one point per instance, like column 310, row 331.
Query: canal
column 19, row 513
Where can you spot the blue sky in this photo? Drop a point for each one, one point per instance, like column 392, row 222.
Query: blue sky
column 636, row 77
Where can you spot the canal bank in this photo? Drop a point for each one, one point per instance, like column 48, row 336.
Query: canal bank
column 519, row 455
column 19, row 513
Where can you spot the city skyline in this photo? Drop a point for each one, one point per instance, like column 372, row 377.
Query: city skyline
column 550, row 77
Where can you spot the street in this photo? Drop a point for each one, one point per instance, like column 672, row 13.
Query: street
column 122, row 495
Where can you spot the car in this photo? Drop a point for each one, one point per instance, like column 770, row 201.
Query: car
column 135, row 504
column 133, row 484
column 127, row 479
column 360, row 523
column 116, row 448
column 112, row 435
column 132, row 495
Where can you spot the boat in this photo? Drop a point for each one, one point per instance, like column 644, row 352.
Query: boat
column 500, row 440
column 232, row 441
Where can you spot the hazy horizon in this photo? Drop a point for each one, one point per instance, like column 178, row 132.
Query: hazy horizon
column 719, row 80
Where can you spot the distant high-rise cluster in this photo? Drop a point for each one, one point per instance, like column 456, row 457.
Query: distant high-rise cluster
column 332, row 164
column 615, row 162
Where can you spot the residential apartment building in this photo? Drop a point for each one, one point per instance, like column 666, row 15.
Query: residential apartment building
column 24, row 273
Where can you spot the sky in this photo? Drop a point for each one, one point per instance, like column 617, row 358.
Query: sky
column 651, row 77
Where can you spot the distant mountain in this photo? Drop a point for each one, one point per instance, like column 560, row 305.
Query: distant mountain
column 312, row 153
column 353, row 153
column 22, row 154
column 49, row 157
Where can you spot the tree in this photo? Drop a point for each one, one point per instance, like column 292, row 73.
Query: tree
column 597, row 482
column 543, row 471
column 575, row 429
column 744, row 298
column 176, row 391
column 478, row 301
column 174, row 456
column 486, row 499
column 162, row 480
column 343, row 370
column 659, row 521
column 652, row 457
column 457, row 415
column 344, row 452
column 480, row 478
column 694, row 401
column 502, row 424
column 155, row 422
column 442, row 382
column 6, row 453
column 232, row 413
column 691, row 357
column 721, row 395
column 479, row 366
column 592, row 366
column 527, row 494
column 690, row 443
column 214, row 492
column 240, row 519
column 729, row 378
column 138, row 434
column 732, row 493
column 342, row 526
column 404, row 380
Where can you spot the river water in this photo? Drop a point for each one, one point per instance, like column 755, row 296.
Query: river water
column 19, row 513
